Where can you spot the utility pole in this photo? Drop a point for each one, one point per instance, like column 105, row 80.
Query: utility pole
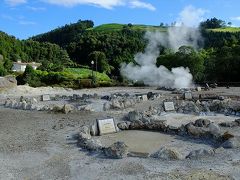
column 96, row 71
column 92, row 62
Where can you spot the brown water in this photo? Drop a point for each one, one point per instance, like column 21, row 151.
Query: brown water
column 150, row 142
column 139, row 141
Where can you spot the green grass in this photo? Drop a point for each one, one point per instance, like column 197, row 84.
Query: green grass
column 226, row 29
column 82, row 73
column 138, row 27
column 119, row 27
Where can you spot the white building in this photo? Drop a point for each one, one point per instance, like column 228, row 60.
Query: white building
column 21, row 66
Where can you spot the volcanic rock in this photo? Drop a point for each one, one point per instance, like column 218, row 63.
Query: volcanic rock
column 196, row 131
column 116, row 104
column 231, row 143
column 238, row 121
column 157, row 126
column 200, row 153
column 57, row 108
column 214, row 129
column 229, row 124
column 166, row 154
column 137, row 125
column 188, row 107
column 67, row 108
column 202, row 122
column 123, row 126
column 134, row 116
column 94, row 130
column 84, row 136
column 91, row 144
column 118, row 150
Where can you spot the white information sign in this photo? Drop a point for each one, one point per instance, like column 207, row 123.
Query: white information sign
column 106, row 126
column 169, row 106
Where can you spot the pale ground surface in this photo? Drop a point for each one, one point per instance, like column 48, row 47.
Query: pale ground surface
column 37, row 145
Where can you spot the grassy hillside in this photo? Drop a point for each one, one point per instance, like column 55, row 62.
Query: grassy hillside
column 119, row 27
column 226, row 29
column 82, row 73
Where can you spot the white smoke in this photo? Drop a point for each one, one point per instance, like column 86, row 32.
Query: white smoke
column 186, row 31
column 179, row 35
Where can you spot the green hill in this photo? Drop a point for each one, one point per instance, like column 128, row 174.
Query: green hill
column 118, row 27
column 226, row 29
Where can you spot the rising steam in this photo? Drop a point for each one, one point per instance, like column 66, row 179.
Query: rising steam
column 179, row 35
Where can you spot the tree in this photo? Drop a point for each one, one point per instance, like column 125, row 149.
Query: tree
column 212, row 23
column 8, row 64
column 28, row 74
column 130, row 25
column 229, row 24
column 185, row 57
column 100, row 61
column 186, row 50
column 3, row 71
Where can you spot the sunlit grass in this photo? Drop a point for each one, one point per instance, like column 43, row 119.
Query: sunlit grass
column 119, row 27
column 226, row 29
column 82, row 73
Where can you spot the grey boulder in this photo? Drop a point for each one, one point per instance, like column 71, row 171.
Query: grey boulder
column 167, row 154
column 200, row 153
column 118, row 150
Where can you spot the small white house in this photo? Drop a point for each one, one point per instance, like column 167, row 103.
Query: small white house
column 21, row 66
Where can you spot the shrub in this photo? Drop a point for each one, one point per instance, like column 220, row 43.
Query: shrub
column 3, row 71
column 105, row 84
column 86, row 83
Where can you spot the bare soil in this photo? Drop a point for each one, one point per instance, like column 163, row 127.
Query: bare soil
column 38, row 145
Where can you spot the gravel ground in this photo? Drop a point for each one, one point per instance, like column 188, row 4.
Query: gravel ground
column 37, row 145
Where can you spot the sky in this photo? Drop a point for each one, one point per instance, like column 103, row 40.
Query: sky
column 26, row 18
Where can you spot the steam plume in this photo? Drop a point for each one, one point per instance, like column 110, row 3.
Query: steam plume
column 179, row 35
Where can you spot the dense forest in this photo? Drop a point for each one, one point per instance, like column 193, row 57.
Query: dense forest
column 110, row 45
column 108, row 48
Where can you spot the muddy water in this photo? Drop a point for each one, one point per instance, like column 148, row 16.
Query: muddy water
column 139, row 141
column 149, row 142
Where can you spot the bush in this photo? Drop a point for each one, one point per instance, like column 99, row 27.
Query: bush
column 53, row 78
column 3, row 71
column 86, row 83
column 105, row 84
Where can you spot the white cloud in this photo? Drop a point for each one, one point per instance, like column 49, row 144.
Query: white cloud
column 7, row 17
column 24, row 22
column 140, row 4
column 108, row 4
column 235, row 18
column 36, row 8
column 15, row 2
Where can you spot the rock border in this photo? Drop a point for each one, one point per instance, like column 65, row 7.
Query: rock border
column 200, row 129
